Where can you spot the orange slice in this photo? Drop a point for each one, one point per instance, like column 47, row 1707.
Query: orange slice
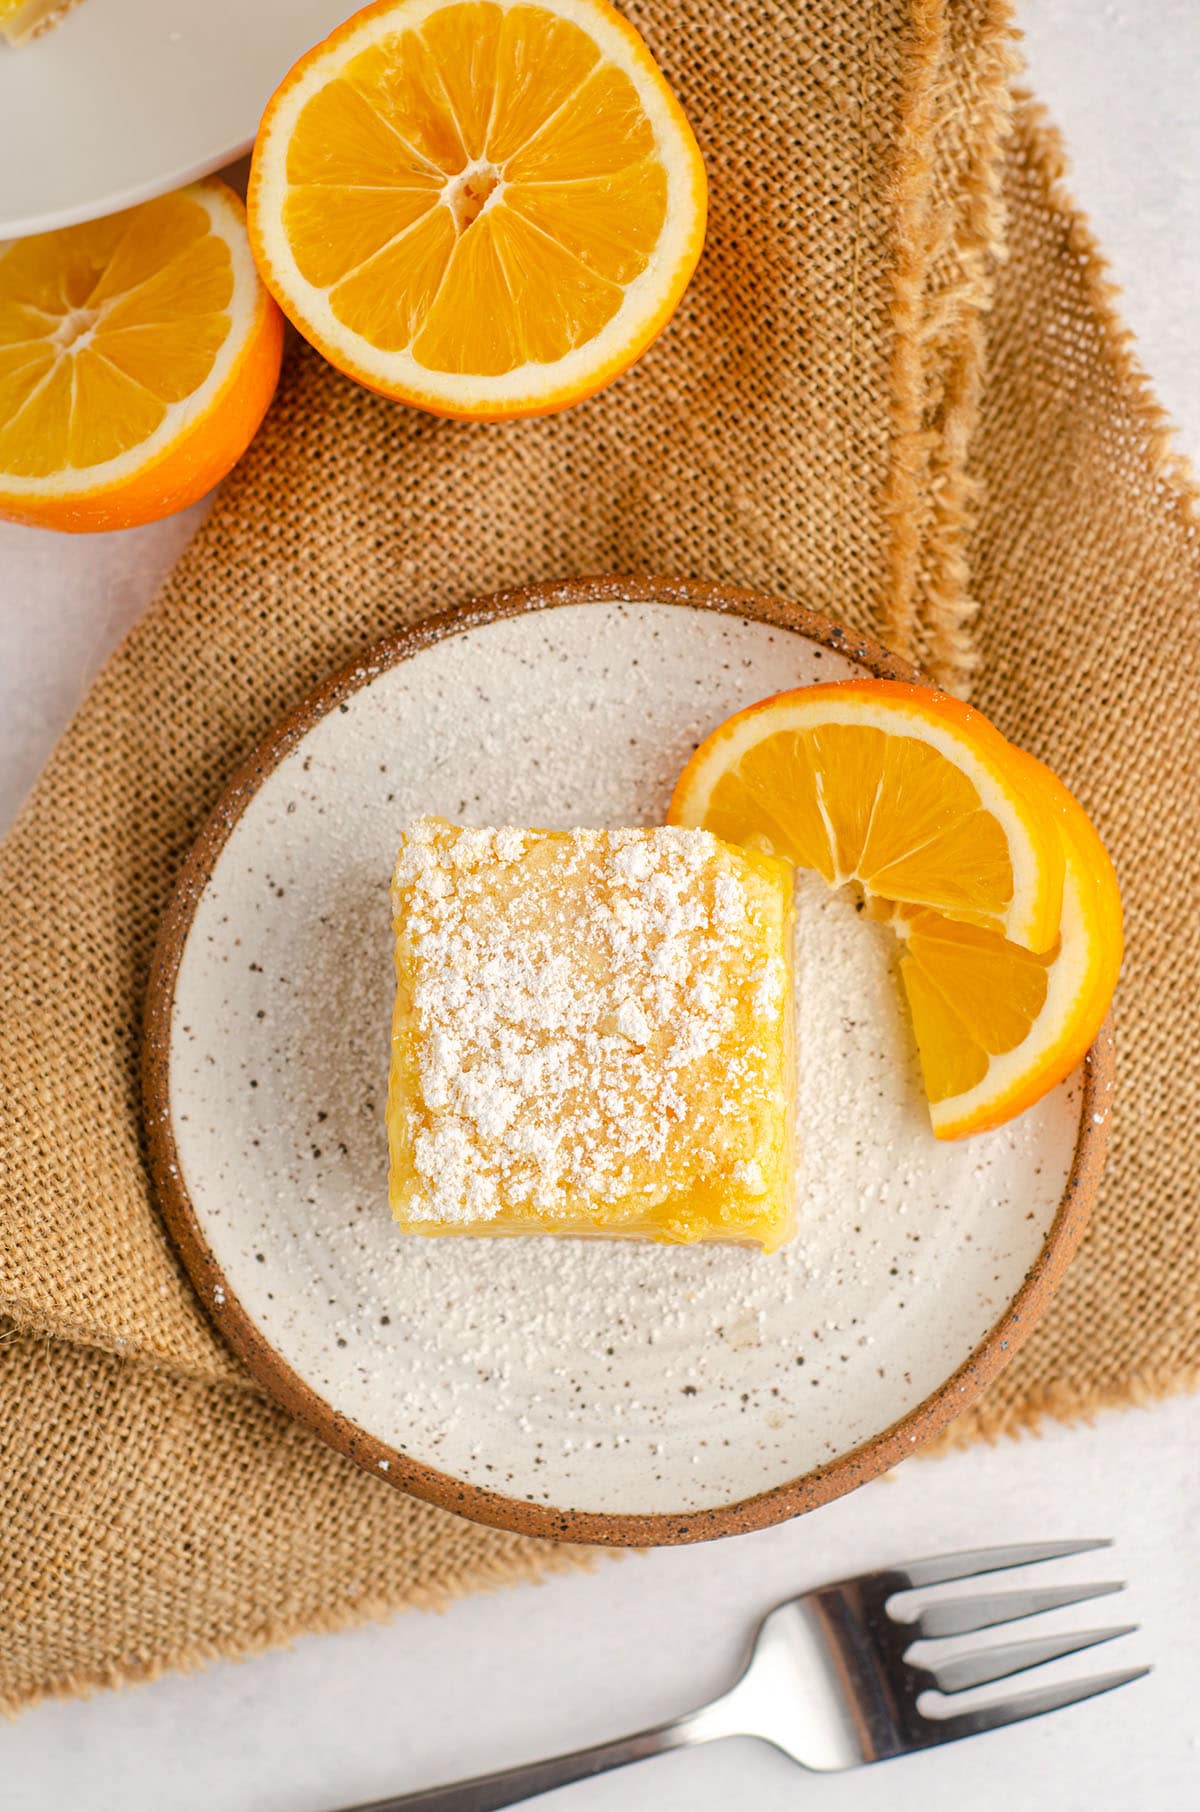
column 137, row 357
column 485, row 210
column 990, row 872
column 901, row 789
column 997, row 1026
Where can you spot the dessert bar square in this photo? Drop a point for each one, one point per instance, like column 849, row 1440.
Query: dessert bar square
column 592, row 1035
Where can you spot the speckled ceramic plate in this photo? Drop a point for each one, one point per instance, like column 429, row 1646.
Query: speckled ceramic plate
column 593, row 1391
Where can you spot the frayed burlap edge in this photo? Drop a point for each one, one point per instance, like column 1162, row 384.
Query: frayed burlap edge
column 957, row 328
column 941, row 329
column 1061, row 1403
column 1171, row 469
column 913, row 185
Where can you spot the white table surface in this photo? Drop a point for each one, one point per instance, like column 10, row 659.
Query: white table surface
column 505, row 1677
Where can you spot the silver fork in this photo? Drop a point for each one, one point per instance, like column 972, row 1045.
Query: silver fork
column 829, row 1680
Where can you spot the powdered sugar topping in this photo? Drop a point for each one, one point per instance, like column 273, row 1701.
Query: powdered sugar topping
column 561, row 990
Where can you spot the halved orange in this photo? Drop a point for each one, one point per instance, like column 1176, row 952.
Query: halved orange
column 972, row 849
column 138, row 355
column 900, row 788
column 486, row 210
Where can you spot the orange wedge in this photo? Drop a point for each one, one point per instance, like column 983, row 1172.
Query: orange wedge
column 137, row 357
column 988, row 869
column 901, row 789
column 997, row 1026
column 485, row 210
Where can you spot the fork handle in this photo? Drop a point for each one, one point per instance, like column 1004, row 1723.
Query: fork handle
column 487, row 1792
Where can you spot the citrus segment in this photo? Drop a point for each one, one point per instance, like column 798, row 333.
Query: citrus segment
column 973, row 995
column 1014, row 1036
column 137, row 356
column 996, row 1026
column 899, row 788
column 488, row 210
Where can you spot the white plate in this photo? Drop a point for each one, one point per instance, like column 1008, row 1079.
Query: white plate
column 124, row 99
column 620, row 1381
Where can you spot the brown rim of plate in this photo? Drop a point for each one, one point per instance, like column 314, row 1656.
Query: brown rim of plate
column 794, row 1496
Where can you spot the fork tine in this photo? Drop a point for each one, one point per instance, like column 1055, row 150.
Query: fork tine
column 959, row 1616
column 1025, row 1705
column 938, row 1569
column 1015, row 1657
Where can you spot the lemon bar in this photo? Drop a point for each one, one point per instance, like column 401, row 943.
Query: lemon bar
column 592, row 1036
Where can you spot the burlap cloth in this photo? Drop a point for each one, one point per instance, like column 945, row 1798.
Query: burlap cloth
column 808, row 425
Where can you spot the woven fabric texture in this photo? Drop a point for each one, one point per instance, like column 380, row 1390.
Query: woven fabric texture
column 803, row 427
